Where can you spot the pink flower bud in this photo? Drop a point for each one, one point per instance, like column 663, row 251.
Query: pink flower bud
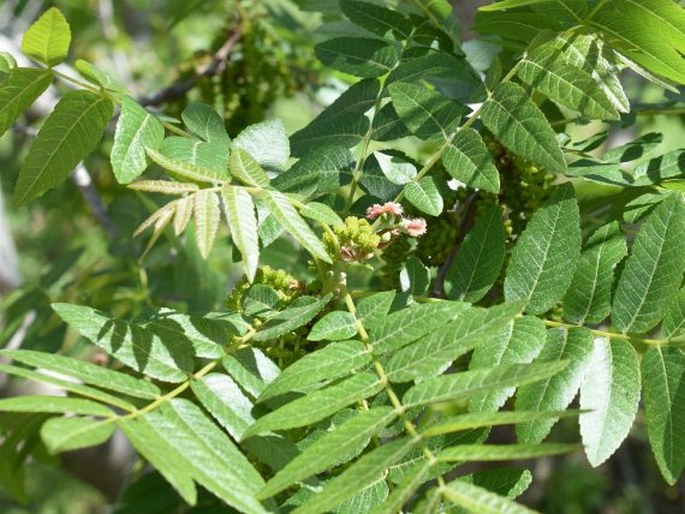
column 414, row 227
column 387, row 208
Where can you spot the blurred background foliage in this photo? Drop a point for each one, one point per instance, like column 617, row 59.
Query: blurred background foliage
column 251, row 60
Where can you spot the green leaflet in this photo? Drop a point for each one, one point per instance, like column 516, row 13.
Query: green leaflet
column 318, row 405
column 19, row 91
column 136, row 129
column 182, row 170
column 86, row 372
column 543, row 260
column 654, row 270
column 376, row 19
column 425, row 196
column 426, row 113
column 610, row 392
column 206, row 123
column 332, row 449
column 282, row 210
column 674, row 320
column 267, row 142
column 346, row 131
column 507, row 482
column 207, row 214
column 405, row 489
column 497, row 452
column 574, row 346
column 324, row 169
column 395, row 169
column 251, row 369
column 334, row 326
column 470, row 421
column 468, row 160
column 246, row 169
column 96, row 76
column 361, row 57
column 65, row 434
column 514, row 119
column 415, row 278
column 477, row 499
column 663, row 371
column 519, row 342
column 209, row 159
column 364, row 471
column 70, row 133
column 463, row 385
column 56, row 404
column 133, row 345
column 511, row 4
column 291, row 318
column 242, row 221
column 478, row 261
column 588, row 299
column 47, row 40
column 373, row 309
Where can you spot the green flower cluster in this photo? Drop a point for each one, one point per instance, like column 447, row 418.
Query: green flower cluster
column 277, row 279
column 356, row 240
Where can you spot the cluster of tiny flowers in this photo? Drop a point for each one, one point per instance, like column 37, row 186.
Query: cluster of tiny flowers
column 413, row 227
column 377, row 210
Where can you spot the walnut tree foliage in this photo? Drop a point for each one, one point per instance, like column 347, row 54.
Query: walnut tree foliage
column 489, row 294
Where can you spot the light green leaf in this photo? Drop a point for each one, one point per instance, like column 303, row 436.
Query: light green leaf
column 674, row 320
column 65, row 434
column 373, row 309
column 47, row 40
column 653, row 272
column 165, row 457
column 7, row 64
column 482, row 501
column 478, row 261
column 70, row 133
column 519, row 342
column 426, row 113
column 463, row 385
column 242, row 221
column 322, row 213
column 487, row 419
column 395, row 170
column 513, row 118
column 365, row 470
column 415, row 278
column 206, row 123
column 165, row 187
column 588, row 299
column 405, row 489
column 610, row 392
column 332, row 449
column 136, row 129
column 358, row 56
column 497, row 452
column 545, row 255
column 86, row 372
column 468, row 160
column 210, row 158
column 282, row 210
column 56, row 404
column 19, row 91
column 511, row 4
column 246, row 169
column 329, row 363
column 225, row 401
column 425, row 196
column 318, row 405
column 267, row 142
column 207, row 214
column 96, row 76
column 291, row 318
column 334, row 326
column 251, row 369
column 555, row 392
column 184, row 171
column 663, row 376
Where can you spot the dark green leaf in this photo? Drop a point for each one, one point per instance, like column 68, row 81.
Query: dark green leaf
column 468, row 160
column 361, row 57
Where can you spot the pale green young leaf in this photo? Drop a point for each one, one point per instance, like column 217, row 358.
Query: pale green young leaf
column 464, row 385
column 519, row 342
column 242, row 221
column 610, row 392
column 425, row 196
column 544, row 258
column 184, row 171
column 469, row 161
column 282, row 210
column 489, row 419
column 206, row 123
column 47, row 40
column 245, row 168
column 210, row 158
column 653, row 272
column 375, row 18
column 183, row 212
column 134, row 346
column 96, row 76
column 588, row 299
column 334, row 326
column 358, row 56
column 511, row 4
column 367, row 469
column 426, row 113
column 556, row 392
column 136, row 130
column 267, row 142
column 674, row 320
column 207, row 214
column 86, row 372
column 415, row 278
column 318, row 405
column 166, row 458
column 330, row 362
column 165, row 187
column 322, row 213
column 7, row 63
column 70, row 133
column 225, row 401
column 497, row 452
column 54, row 404
column 19, row 91
column 332, row 449
column 513, row 118
column 478, row 261
column 395, row 170
column 663, row 376
column 64, row 434
column 476, row 499
column 295, row 316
